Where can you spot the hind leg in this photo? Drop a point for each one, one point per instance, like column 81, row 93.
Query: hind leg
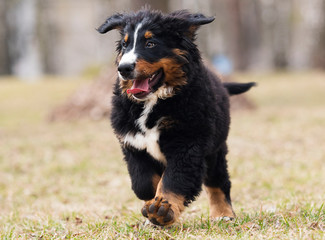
column 217, row 185
column 220, row 207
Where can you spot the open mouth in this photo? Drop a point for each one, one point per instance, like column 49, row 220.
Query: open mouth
column 143, row 86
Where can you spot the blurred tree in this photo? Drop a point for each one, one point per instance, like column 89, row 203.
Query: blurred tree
column 238, row 35
column 305, row 28
column 4, row 54
column 22, row 39
column 319, row 50
column 58, row 37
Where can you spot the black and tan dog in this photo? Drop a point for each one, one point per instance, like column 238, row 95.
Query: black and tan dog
column 171, row 114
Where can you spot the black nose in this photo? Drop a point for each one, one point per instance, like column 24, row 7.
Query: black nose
column 126, row 69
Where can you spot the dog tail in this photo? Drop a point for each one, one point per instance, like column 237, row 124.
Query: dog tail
column 238, row 88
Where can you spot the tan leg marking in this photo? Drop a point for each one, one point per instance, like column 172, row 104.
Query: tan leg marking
column 219, row 206
column 155, row 181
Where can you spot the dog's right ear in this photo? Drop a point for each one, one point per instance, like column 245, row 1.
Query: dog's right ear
column 187, row 22
column 116, row 21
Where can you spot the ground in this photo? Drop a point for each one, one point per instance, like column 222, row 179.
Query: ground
column 68, row 180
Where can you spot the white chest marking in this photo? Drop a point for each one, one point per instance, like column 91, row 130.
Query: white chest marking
column 148, row 138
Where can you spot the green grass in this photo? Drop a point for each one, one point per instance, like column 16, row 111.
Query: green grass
column 67, row 180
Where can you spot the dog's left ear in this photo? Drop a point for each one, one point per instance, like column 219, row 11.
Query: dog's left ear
column 116, row 21
column 199, row 19
column 196, row 20
column 190, row 23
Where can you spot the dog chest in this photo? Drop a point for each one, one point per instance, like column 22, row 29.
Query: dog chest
column 148, row 141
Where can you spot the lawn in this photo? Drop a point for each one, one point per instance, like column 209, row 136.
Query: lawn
column 67, row 180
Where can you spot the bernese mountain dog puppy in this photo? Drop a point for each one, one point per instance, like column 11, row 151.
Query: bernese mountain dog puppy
column 170, row 114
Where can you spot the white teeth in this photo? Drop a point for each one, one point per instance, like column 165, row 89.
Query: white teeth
column 152, row 77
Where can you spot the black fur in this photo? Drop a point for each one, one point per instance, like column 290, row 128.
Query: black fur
column 238, row 88
column 194, row 142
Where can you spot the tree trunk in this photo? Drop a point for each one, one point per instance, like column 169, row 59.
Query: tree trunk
column 4, row 54
column 318, row 52
column 22, row 39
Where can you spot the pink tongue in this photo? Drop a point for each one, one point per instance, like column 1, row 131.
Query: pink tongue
column 139, row 86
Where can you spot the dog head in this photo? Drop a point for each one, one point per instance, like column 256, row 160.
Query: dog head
column 153, row 50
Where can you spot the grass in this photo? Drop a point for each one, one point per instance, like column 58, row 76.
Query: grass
column 68, row 181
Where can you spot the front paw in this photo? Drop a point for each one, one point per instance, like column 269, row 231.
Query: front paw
column 159, row 211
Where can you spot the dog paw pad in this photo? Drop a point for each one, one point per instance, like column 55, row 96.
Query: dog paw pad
column 158, row 211
column 144, row 212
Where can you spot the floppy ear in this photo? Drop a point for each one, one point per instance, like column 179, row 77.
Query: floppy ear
column 114, row 22
column 189, row 22
column 196, row 20
column 199, row 19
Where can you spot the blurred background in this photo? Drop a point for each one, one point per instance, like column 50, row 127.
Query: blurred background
column 58, row 37
column 66, row 177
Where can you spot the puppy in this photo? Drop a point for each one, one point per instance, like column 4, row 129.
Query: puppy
column 170, row 114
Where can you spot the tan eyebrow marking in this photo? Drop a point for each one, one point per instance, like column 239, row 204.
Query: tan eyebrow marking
column 126, row 37
column 148, row 34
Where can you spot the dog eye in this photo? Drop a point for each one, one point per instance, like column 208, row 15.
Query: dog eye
column 150, row 44
column 124, row 44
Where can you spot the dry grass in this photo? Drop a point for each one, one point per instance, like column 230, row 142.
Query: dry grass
column 68, row 180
